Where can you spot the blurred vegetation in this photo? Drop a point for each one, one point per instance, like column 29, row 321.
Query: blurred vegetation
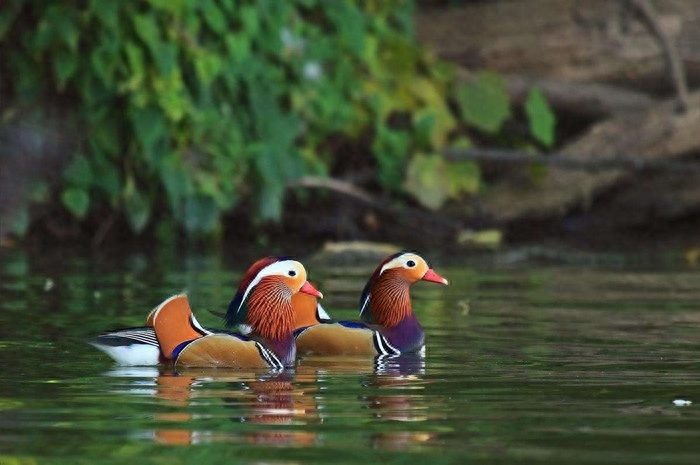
column 191, row 108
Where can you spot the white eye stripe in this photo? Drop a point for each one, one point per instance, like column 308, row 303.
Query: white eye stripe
column 275, row 269
column 401, row 261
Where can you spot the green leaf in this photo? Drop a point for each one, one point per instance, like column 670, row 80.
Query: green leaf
column 433, row 125
column 425, row 180
column 541, row 117
column 151, row 131
column 463, row 177
column 391, row 149
column 66, row 24
column 109, row 177
column 165, row 56
column 39, row 191
column 147, row 29
column 107, row 12
column 177, row 183
column 169, row 6
column 76, row 200
column 102, row 61
column 137, row 207
column 201, row 214
column 79, row 173
column 134, row 55
column 8, row 14
column 213, row 16
column 208, row 66
column 271, row 202
column 19, row 221
column 350, row 21
column 250, row 17
column 484, row 102
column 65, row 64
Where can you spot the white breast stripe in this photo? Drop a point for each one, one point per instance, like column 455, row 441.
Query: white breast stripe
column 269, row 356
column 383, row 345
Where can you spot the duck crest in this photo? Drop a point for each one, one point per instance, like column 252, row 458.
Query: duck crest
column 238, row 308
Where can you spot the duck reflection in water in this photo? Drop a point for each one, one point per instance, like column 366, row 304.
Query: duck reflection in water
column 250, row 398
column 283, row 408
column 397, row 385
column 400, row 380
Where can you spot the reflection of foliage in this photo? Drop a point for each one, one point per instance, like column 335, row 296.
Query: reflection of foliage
column 205, row 102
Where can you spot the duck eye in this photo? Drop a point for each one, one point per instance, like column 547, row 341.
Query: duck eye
column 292, row 273
column 410, row 263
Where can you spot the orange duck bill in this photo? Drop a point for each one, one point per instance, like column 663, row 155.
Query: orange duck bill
column 307, row 288
column 433, row 277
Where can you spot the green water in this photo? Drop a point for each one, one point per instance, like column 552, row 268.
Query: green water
column 526, row 363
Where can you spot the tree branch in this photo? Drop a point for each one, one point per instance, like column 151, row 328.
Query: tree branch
column 671, row 54
column 572, row 162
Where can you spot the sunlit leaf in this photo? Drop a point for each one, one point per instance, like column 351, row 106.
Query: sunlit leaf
column 463, row 177
column 135, row 57
column 213, row 16
column 434, row 124
column 484, row 102
column 147, row 29
column 425, row 180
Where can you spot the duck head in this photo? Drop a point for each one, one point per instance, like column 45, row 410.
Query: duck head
column 385, row 299
column 264, row 298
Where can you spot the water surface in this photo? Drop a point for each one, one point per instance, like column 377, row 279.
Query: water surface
column 526, row 363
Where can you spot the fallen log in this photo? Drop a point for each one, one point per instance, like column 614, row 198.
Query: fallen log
column 577, row 40
column 656, row 134
column 653, row 198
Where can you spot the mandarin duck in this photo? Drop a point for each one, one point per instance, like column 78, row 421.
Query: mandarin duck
column 388, row 326
column 138, row 346
column 264, row 304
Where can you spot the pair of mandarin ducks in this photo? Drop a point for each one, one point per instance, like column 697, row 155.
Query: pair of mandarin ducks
column 277, row 316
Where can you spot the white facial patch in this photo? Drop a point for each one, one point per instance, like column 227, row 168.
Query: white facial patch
column 282, row 268
column 401, row 262
column 322, row 314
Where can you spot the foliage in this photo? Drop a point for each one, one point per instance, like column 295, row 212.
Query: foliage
column 191, row 107
column 485, row 102
column 541, row 118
